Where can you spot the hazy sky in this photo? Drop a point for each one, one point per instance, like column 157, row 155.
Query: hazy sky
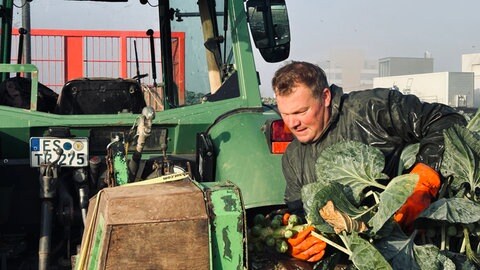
column 382, row 28
column 378, row 28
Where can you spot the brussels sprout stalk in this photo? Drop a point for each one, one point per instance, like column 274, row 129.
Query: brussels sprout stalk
column 331, row 243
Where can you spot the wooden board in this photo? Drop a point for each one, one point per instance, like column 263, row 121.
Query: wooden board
column 157, row 226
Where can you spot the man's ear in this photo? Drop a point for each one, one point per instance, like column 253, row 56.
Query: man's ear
column 327, row 97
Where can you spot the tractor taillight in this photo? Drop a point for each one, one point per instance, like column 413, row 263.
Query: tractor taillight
column 280, row 136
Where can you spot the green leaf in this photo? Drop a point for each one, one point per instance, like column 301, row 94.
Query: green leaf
column 392, row 198
column 364, row 255
column 316, row 195
column 354, row 165
column 312, row 204
column 474, row 123
column 397, row 249
column 409, row 156
column 308, row 192
column 452, row 210
column 461, row 157
column 460, row 260
column 429, row 257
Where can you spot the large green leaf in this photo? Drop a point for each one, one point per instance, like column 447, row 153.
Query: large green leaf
column 397, row 249
column 429, row 257
column 461, row 157
column 311, row 205
column 316, row 195
column 474, row 123
column 364, row 255
column 392, row 198
column 355, row 165
column 308, row 192
column 452, row 210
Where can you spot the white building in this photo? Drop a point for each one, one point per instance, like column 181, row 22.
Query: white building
column 471, row 63
column 451, row 88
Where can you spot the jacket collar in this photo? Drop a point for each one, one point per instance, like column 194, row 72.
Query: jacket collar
column 337, row 93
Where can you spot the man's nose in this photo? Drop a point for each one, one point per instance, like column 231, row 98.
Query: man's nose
column 291, row 121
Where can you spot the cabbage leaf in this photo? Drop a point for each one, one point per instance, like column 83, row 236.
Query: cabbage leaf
column 392, row 198
column 397, row 249
column 354, row 165
column 364, row 255
column 316, row 195
column 409, row 156
column 430, row 257
column 461, row 158
column 451, row 210
column 474, row 123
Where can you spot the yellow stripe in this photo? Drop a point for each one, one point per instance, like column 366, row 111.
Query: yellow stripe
column 161, row 179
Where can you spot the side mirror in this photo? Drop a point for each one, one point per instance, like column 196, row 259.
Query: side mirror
column 270, row 28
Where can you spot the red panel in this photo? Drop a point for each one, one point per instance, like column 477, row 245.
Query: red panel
column 73, row 57
column 180, row 76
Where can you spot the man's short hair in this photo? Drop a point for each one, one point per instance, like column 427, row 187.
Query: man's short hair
column 296, row 72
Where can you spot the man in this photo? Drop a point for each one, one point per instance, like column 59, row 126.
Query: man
column 320, row 115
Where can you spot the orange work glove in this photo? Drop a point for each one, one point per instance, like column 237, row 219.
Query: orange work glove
column 305, row 246
column 426, row 189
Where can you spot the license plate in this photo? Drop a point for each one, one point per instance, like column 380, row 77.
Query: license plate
column 73, row 151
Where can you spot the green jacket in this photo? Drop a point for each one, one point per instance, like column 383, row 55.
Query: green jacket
column 382, row 118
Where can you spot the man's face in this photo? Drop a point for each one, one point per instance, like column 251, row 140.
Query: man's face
column 305, row 115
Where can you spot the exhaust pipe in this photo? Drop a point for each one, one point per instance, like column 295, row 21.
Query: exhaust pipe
column 144, row 129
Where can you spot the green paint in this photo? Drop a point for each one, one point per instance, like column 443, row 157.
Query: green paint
column 6, row 35
column 227, row 212
column 245, row 159
column 121, row 169
column 97, row 244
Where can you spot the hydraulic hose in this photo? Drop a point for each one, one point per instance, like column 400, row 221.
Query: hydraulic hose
column 48, row 192
column 48, row 186
column 45, row 234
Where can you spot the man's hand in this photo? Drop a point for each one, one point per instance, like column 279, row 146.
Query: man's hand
column 305, row 246
column 426, row 189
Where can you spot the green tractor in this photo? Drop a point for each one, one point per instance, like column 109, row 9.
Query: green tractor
column 60, row 151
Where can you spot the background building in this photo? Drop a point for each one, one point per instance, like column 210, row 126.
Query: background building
column 350, row 69
column 451, row 88
column 415, row 76
column 395, row 66
column 471, row 63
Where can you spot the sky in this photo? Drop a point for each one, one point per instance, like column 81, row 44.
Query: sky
column 382, row 28
column 377, row 28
